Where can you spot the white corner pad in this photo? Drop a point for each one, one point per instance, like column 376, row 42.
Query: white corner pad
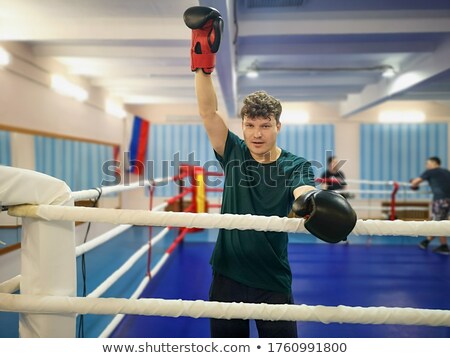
column 22, row 186
column 48, row 262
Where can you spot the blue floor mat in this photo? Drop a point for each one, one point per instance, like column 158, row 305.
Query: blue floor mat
column 352, row 275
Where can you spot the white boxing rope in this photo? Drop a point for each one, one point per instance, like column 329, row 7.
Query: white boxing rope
column 405, row 208
column 116, row 275
column 222, row 221
column 101, row 239
column 221, row 310
column 93, row 193
column 105, row 237
column 10, row 286
column 118, row 318
column 159, row 236
column 364, row 191
column 160, row 264
column 150, row 218
column 376, row 182
column 402, row 228
column 384, row 192
column 160, row 207
column 109, row 329
column 388, row 208
column 112, row 279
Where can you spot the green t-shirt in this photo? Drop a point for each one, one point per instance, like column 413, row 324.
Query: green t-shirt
column 255, row 258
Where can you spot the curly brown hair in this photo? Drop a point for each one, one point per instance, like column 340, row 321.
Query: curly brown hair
column 261, row 104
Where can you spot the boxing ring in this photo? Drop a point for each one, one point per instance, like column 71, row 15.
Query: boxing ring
column 48, row 302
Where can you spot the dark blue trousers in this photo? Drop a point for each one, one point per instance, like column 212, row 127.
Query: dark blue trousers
column 224, row 289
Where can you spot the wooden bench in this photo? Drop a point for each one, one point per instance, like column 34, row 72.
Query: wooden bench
column 407, row 214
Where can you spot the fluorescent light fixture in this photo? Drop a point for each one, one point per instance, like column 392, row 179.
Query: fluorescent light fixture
column 401, row 117
column 115, row 109
column 252, row 74
column 294, row 117
column 135, row 99
column 66, row 88
column 406, row 80
column 388, row 73
column 5, row 57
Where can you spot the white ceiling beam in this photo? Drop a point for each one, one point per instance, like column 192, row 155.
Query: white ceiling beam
column 273, row 62
column 150, row 82
column 124, row 62
column 130, row 71
column 425, row 96
column 410, row 77
column 334, row 48
column 345, row 79
column 43, row 29
column 307, row 98
column 303, row 90
column 374, row 22
column 138, row 99
column 161, row 91
column 96, row 8
column 111, row 51
column 181, row 82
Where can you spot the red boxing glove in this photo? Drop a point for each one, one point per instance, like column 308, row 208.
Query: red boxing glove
column 207, row 25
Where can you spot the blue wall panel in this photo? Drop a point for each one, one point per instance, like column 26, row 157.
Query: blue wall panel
column 172, row 144
column 5, row 148
column 312, row 142
column 79, row 164
column 398, row 152
column 190, row 144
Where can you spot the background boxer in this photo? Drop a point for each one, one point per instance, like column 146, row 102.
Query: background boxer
column 439, row 180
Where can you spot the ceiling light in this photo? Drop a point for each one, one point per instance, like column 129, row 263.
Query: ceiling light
column 252, row 71
column 136, row 99
column 294, row 117
column 252, row 74
column 406, row 80
column 66, row 88
column 388, row 72
column 115, row 109
column 401, row 117
column 5, row 57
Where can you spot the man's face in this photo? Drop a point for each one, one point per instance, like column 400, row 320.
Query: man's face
column 431, row 164
column 260, row 134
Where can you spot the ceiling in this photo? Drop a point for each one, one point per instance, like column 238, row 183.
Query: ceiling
column 326, row 51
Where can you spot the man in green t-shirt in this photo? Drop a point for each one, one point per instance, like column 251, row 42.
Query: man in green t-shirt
column 260, row 179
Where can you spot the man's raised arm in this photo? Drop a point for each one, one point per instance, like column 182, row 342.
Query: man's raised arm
column 207, row 106
column 206, row 24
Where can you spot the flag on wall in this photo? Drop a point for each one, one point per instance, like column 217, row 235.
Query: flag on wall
column 138, row 145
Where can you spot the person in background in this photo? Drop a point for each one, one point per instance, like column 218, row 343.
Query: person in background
column 439, row 180
column 334, row 179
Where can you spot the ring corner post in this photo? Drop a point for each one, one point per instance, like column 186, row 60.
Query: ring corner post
column 48, row 265
column 48, row 259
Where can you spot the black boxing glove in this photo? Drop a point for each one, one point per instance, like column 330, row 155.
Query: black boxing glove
column 207, row 25
column 328, row 215
column 415, row 188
